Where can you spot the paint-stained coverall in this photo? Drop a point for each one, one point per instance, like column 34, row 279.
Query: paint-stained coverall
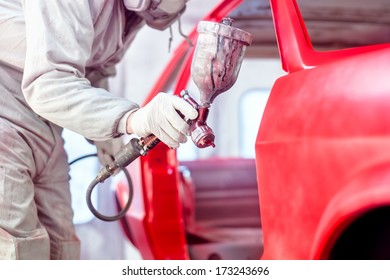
column 55, row 56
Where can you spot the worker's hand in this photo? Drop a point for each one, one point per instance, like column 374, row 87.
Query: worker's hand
column 159, row 117
column 106, row 150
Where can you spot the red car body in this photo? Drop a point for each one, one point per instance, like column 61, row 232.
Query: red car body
column 322, row 151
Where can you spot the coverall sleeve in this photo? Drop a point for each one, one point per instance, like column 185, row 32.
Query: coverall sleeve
column 59, row 36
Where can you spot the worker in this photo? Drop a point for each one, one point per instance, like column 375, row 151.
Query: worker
column 55, row 58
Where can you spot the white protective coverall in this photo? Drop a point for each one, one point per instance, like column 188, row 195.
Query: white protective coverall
column 54, row 58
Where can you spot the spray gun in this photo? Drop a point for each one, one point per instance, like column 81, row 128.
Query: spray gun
column 215, row 66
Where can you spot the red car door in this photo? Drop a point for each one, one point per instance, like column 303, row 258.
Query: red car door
column 323, row 149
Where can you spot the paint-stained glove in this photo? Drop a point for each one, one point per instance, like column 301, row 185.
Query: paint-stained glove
column 160, row 117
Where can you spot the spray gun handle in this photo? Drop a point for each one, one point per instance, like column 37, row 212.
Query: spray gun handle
column 150, row 141
column 201, row 134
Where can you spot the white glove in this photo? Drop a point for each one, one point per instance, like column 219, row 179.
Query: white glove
column 159, row 117
column 106, row 150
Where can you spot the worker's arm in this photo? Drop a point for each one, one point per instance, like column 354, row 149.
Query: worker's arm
column 59, row 36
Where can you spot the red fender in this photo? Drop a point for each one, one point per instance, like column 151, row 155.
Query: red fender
column 366, row 191
column 325, row 122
